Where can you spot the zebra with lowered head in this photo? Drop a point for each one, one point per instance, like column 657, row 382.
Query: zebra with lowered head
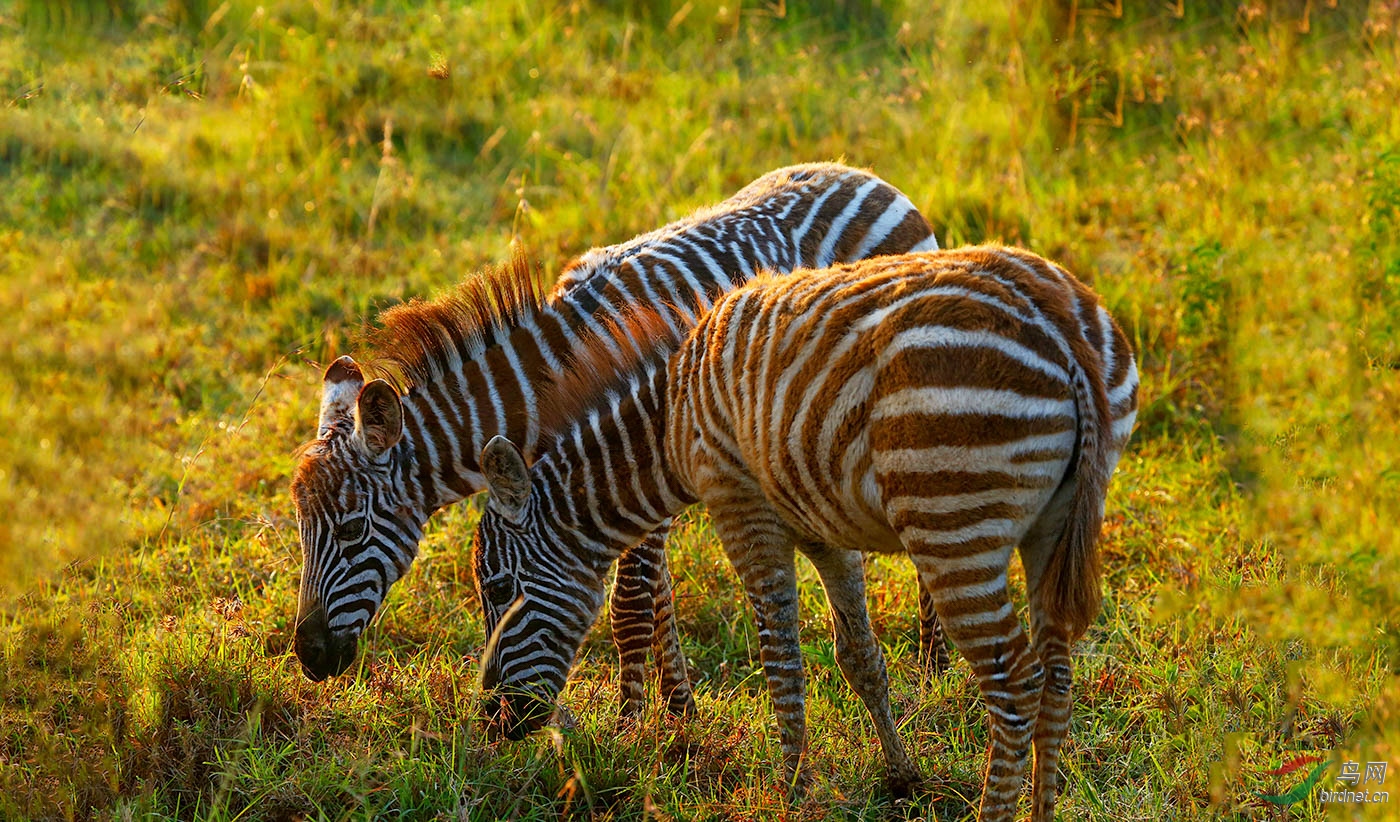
column 953, row 405
column 474, row 361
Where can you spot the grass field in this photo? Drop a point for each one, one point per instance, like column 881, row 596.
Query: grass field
column 202, row 203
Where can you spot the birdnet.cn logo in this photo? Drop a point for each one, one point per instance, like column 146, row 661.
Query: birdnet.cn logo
column 1360, row 783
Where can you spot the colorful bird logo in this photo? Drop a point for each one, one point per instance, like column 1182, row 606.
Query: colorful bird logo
column 1300, row 791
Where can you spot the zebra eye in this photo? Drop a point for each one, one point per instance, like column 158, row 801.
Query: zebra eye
column 350, row 530
column 500, row 592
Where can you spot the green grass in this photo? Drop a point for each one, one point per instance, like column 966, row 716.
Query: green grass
column 202, row 202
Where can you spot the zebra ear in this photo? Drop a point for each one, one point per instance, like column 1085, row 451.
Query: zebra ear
column 378, row 418
column 341, row 386
column 507, row 477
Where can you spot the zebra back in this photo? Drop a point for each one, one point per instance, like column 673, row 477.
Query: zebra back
column 485, row 349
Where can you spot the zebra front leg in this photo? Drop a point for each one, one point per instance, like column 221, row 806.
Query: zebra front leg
column 643, row 614
column 933, row 649
column 760, row 549
column 858, row 653
column 643, row 617
column 633, row 612
column 672, row 674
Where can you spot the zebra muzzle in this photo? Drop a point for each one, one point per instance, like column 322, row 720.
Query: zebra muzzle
column 515, row 714
column 322, row 653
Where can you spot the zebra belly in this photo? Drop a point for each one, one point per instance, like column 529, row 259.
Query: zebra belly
column 824, row 496
column 839, row 521
column 923, row 457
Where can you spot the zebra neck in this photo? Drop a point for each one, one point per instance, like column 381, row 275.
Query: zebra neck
column 448, row 420
column 495, row 389
column 607, row 476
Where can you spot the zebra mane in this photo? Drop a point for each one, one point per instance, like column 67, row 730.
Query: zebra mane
column 594, row 368
column 426, row 339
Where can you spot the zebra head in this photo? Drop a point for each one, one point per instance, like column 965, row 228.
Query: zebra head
column 539, row 598
column 358, row 531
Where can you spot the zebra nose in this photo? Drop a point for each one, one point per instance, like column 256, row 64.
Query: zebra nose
column 490, row 674
column 321, row 653
column 514, row 714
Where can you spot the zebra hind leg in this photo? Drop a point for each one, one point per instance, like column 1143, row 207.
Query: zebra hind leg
column 975, row 609
column 858, row 653
column 1052, row 643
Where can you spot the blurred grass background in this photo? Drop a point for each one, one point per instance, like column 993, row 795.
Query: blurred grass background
column 202, row 202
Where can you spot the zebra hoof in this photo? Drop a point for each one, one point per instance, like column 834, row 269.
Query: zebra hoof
column 681, row 704
column 563, row 719
column 904, row 782
column 798, row 786
column 934, row 663
column 630, row 712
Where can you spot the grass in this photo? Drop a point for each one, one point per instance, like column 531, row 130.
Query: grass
column 201, row 203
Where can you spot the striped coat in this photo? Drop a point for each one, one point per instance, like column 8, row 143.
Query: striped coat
column 956, row 406
column 473, row 364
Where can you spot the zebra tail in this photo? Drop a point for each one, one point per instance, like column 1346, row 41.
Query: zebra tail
column 1072, row 593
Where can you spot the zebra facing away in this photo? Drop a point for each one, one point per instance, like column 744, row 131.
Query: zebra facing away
column 474, row 362
column 955, row 405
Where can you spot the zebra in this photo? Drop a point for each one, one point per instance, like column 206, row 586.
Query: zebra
column 473, row 362
column 953, row 405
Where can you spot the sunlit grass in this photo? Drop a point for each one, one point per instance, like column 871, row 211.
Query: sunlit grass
column 203, row 202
